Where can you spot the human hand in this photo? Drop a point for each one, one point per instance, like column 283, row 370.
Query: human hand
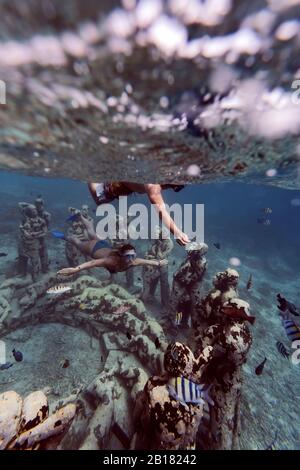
column 67, row 271
column 163, row 262
column 182, row 239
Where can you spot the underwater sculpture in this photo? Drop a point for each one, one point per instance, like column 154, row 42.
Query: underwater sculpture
column 106, row 312
column 46, row 216
column 165, row 420
column 133, row 345
column 208, row 308
column 160, row 249
column 25, row 424
column 32, row 244
column 187, row 282
column 77, row 229
column 231, row 340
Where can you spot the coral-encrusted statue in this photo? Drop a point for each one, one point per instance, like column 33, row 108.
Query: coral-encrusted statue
column 26, row 424
column 231, row 340
column 169, row 410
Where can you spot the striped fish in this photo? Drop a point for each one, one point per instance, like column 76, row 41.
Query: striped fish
column 292, row 330
column 282, row 349
column 186, row 391
column 61, row 289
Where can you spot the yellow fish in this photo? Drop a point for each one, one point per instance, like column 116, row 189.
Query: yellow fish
column 178, row 318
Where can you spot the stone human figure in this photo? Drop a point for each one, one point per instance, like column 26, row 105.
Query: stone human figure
column 78, row 229
column 32, row 229
column 187, row 282
column 39, row 204
column 160, row 249
column 231, row 340
column 207, row 309
column 164, row 420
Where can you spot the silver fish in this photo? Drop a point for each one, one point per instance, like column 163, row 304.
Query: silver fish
column 60, row 289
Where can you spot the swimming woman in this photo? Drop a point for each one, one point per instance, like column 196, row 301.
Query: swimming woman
column 104, row 256
column 103, row 193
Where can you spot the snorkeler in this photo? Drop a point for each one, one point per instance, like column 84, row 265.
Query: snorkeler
column 103, row 193
column 104, row 256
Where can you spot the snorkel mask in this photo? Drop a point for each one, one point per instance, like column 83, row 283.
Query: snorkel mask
column 129, row 255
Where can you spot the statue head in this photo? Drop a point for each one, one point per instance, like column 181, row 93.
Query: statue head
column 30, row 211
column 39, row 204
column 226, row 279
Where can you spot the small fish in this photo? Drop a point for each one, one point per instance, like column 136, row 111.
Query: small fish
column 259, row 369
column 238, row 313
column 267, row 210
column 17, row 355
column 101, row 358
column 292, row 330
column 282, row 303
column 128, row 335
column 3, row 254
column 186, row 391
column 285, row 305
column 65, row 363
column 217, row 245
column 263, row 221
column 174, row 263
column 178, row 318
column 73, row 217
column 82, row 306
column 249, row 283
column 5, row 366
column 122, row 309
column 282, row 350
column 157, row 343
column 60, row 289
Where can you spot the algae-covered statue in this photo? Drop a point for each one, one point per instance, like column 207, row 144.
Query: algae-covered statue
column 77, row 229
column 40, row 207
column 187, row 282
column 208, row 308
column 160, row 249
column 33, row 230
column 170, row 409
column 231, row 340
column 25, row 424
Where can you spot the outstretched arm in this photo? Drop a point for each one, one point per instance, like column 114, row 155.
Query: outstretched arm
column 95, row 263
column 155, row 196
column 149, row 262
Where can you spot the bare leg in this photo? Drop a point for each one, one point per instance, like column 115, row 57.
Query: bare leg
column 89, row 225
column 85, row 247
column 93, row 190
